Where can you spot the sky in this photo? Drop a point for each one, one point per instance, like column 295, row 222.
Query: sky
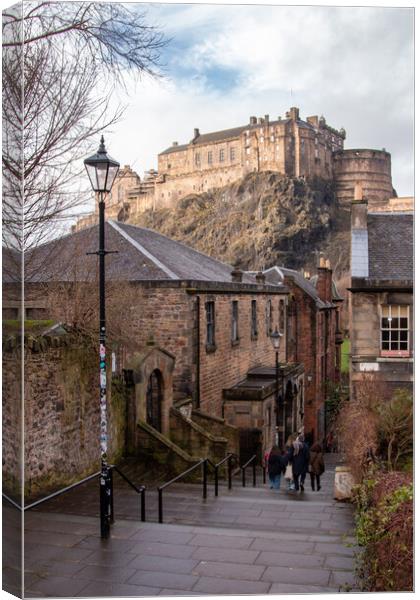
column 225, row 63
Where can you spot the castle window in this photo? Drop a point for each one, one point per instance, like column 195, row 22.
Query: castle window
column 210, row 326
column 222, row 155
column 262, row 139
column 232, row 154
column 254, row 325
column 210, row 157
column 197, row 159
column 248, row 150
column 235, row 322
column 394, row 330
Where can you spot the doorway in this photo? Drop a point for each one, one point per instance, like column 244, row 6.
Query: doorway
column 154, row 397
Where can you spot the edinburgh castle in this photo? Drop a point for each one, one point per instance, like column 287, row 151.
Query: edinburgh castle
column 291, row 146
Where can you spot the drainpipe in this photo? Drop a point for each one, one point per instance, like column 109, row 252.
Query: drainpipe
column 197, row 355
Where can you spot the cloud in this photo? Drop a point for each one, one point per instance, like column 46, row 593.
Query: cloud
column 224, row 63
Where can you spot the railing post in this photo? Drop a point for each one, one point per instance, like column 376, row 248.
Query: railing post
column 205, row 478
column 160, row 506
column 230, row 472
column 216, row 481
column 143, row 504
column 254, row 472
column 243, row 477
column 111, row 499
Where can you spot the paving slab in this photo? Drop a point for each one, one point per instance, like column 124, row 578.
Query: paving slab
column 212, row 585
column 278, row 543
column 163, row 579
column 296, row 575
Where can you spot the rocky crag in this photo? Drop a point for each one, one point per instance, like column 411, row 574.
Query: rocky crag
column 262, row 220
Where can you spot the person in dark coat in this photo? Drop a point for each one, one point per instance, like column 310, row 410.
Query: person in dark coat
column 276, row 466
column 298, row 456
column 316, row 466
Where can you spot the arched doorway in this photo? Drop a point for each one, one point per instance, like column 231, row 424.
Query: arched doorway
column 154, row 396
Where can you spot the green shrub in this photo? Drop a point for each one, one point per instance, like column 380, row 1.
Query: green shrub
column 384, row 527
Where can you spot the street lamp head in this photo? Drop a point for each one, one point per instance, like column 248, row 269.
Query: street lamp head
column 102, row 169
column 275, row 339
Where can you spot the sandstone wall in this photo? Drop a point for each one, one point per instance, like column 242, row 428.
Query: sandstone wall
column 61, row 419
column 370, row 168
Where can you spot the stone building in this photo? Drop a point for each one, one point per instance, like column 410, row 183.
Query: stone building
column 313, row 337
column 197, row 330
column 292, row 146
column 381, row 299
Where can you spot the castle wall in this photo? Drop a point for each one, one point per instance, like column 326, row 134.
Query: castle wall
column 370, row 168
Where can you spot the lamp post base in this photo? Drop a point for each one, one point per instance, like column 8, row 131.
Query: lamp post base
column 105, row 501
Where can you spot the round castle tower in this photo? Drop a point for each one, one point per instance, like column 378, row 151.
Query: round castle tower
column 370, row 168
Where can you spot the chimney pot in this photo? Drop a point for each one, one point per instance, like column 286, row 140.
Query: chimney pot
column 237, row 275
column 196, row 132
column 260, row 277
column 174, row 143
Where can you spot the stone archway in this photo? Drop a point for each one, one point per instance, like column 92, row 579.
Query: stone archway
column 153, row 380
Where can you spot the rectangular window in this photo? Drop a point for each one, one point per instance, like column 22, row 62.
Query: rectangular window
column 254, row 326
column 235, row 321
column 394, row 330
column 281, row 316
column 232, row 154
column 211, row 338
column 221, row 155
column 197, row 159
column 210, row 157
column 269, row 317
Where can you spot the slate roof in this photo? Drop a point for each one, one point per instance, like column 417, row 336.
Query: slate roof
column 275, row 275
column 143, row 255
column 390, row 246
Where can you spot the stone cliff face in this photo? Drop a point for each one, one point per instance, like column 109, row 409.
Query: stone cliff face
column 262, row 220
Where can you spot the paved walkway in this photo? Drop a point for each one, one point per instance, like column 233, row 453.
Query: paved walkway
column 247, row 541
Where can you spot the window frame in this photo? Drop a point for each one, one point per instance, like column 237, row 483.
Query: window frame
column 387, row 314
column 221, row 155
column 234, row 330
column 210, row 309
column 254, row 320
column 210, row 157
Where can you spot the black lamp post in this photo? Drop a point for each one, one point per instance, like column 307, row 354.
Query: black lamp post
column 275, row 337
column 102, row 170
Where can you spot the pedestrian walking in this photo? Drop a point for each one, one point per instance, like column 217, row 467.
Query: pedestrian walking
column 316, row 466
column 276, row 466
column 298, row 455
column 289, row 472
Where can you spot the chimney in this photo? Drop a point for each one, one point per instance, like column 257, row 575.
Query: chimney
column 359, row 208
column 313, row 120
column 267, row 118
column 237, row 275
column 294, row 113
column 174, row 143
column 196, row 133
column 324, row 281
column 252, row 120
column 260, row 120
column 359, row 235
column 260, row 278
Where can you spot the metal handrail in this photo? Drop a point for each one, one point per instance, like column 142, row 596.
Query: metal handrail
column 140, row 489
column 203, row 462
column 12, row 502
column 62, row 491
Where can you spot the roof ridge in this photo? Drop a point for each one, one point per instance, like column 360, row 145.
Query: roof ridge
column 143, row 250
column 183, row 245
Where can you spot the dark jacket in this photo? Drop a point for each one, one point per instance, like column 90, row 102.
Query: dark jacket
column 300, row 462
column 316, row 461
column 276, row 465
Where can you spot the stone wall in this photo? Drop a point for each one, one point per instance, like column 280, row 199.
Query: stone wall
column 218, row 427
column 195, row 440
column 228, row 362
column 61, row 418
column 370, row 168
